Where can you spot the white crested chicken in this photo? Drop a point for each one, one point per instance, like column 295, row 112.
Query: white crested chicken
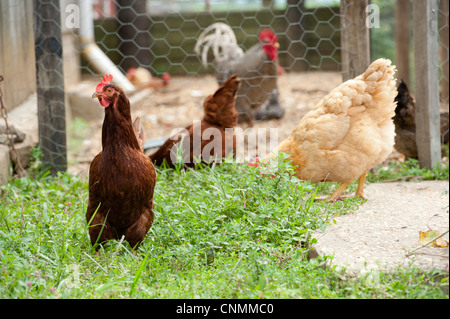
column 349, row 131
column 257, row 68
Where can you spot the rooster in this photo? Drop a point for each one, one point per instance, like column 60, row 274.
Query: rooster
column 121, row 178
column 348, row 132
column 220, row 115
column 142, row 78
column 257, row 68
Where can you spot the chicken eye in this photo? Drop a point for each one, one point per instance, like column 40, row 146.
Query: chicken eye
column 109, row 90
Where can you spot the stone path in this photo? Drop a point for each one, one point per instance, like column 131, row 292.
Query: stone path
column 386, row 227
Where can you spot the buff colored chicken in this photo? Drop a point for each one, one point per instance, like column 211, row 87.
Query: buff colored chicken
column 349, row 131
column 142, row 78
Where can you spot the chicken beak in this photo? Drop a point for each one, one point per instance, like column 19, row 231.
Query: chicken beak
column 96, row 95
column 276, row 45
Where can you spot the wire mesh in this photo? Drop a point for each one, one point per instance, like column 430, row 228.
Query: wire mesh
column 443, row 16
column 308, row 31
column 443, row 27
column 160, row 36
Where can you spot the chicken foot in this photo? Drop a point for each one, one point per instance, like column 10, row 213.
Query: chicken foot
column 337, row 193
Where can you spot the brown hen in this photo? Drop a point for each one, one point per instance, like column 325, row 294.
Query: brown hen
column 207, row 140
column 121, row 178
column 405, row 124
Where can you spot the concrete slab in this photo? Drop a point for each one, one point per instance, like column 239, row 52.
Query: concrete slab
column 5, row 162
column 24, row 118
column 386, row 227
column 82, row 104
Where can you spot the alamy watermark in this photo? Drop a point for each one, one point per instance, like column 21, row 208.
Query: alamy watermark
column 373, row 17
column 72, row 20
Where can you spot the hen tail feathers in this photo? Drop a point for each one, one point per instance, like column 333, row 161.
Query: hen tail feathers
column 381, row 85
column 374, row 89
column 379, row 76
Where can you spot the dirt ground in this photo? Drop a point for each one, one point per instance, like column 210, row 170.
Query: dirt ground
column 182, row 102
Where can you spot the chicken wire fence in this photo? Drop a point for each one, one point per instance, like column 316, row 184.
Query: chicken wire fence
column 160, row 36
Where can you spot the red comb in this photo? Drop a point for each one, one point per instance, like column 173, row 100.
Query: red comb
column 267, row 33
column 103, row 81
column 166, row 78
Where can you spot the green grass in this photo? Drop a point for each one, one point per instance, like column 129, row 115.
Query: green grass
column 411, row 169
column 220, row 232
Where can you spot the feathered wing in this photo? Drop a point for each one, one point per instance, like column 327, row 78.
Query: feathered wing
column 369, row 96
column 140, row 133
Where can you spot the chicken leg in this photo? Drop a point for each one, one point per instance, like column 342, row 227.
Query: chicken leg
column 337, row 193
column 360, row 190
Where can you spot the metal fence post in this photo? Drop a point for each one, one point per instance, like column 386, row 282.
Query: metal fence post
column 50, row 84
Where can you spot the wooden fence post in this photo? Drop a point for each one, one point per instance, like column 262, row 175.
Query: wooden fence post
column 444, row 30
column 50, row 84
column 402, row 43
column 355, row 40
column 426, row 81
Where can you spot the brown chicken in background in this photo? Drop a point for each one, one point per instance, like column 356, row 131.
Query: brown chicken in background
column 220, row 115
column 405, row 124
column 142, row 78
column 257, row 68
column 349, row 131
column 121, row 178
